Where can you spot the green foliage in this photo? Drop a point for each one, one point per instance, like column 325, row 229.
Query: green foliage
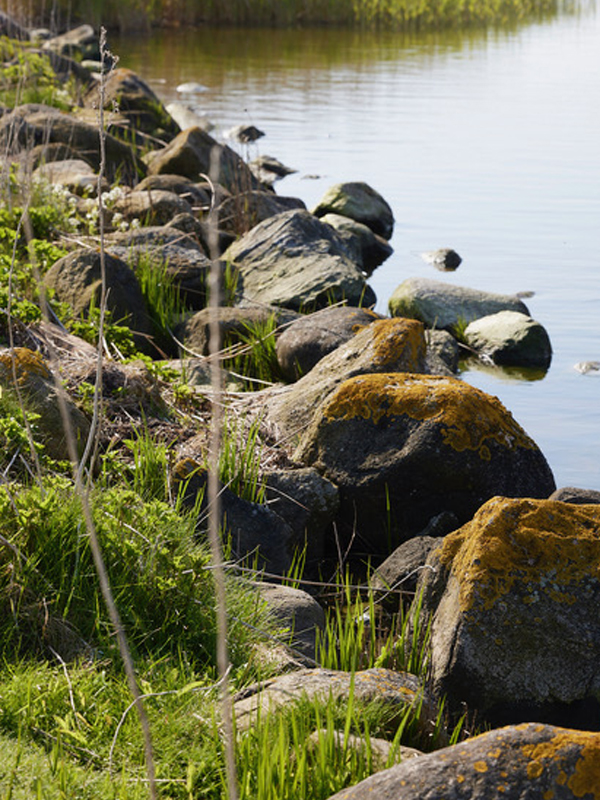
column 239, row 460
column 163, row 298
column 253, row 356
column 15, row 445
column 27, row 77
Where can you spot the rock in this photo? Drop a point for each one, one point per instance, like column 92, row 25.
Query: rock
column 444, row 259
column 510, row 338
column 241, row 212
column 443, row 352
column 245, row 133
column 361, row 203
column 80, row 42
column 296, row 261
column 587, row 366
column 33, row 124
column 395, row 690
column 519, row 762
column 381, row 752
column 192, row 87
column 267, row 169
column 400, row 571
column 41, row 393
column 180, row 254
column 443, row 305
column 373, row 249
column 196, row 194
column 74, row 174
column 306, row 341
column 299, row 614
column 136, row 102
column 570, row 494
column 76, row 280
column 383, row 346
column 403, row 448
column 234, row 324
column 10, row 27
column 253, row 535
column 196, row 373
column 151, row 207
column 308, row 502
column 190, row 154
column 186, row 116
column 513, row 597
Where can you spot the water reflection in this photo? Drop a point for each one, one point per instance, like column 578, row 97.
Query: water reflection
column 471, row 364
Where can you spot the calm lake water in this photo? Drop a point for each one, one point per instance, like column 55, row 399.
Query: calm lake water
column 486, row 141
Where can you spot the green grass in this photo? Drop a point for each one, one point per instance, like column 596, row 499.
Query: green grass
column 388, row 13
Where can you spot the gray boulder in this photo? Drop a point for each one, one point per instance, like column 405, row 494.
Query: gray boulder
column 443, row 305
column 360, row 202
column 372, row 249
column 572, row 494
column 268, row 169
column 298, row 613
column 240, row 212
column 513, row 598
column 523, row 762
column 81, row 42
column 296, row 261
column 76, row 280
column 443, row 352
column 381, row 751
column 192, row 152
column 510, row 338
column 196, row 194
column 403, row 448
column 306, row 341
column 74, row 174
column 151, row 207
column 445, row 259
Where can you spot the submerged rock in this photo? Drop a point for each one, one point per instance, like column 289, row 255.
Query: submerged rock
column 444, row 259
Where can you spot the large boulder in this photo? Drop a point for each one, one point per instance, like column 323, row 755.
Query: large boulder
column 311, row 337
column 151, row 207
column 295, row 260
column 80, row 42
column 523, row 762
column 386, row 345
column 76, row 279
column 33, row 124
column 510, row 338
column 191, row 154
column 513, row 596
column 136, row 101
column 403, row 448
column 443, row 305
column 359, row 202
column 372, row 249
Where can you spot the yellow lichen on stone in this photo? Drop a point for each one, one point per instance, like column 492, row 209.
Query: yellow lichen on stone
column 468, row 418
column 24, row 362
column 480, row 766
column 585, row 778
column 547, row 547
column 398, row 338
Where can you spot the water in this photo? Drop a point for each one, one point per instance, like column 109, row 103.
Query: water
column 486, row 141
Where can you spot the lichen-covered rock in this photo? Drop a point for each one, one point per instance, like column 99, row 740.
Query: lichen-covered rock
column 295, row 260
column 510, row 338
column 523, row 762
column 395, row 690
column 513, row 597
column 41, row 395
column 76, row 280
column 360, row 202
column 311, row 337
column 191, row 154
column 383, row 346
column 403, row 448
column 443, row 305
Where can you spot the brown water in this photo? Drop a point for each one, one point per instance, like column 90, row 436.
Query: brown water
column 485, row 141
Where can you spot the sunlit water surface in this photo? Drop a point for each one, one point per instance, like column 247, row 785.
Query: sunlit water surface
column 484, row 141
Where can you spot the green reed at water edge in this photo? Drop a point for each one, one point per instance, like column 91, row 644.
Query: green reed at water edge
column 127, row 14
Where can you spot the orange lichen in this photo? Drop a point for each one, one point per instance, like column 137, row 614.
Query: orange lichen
column 24, row 362
column 468, row 418
column 584, row 779
column 547, row 547
column 480, row 766
column 398, row 339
